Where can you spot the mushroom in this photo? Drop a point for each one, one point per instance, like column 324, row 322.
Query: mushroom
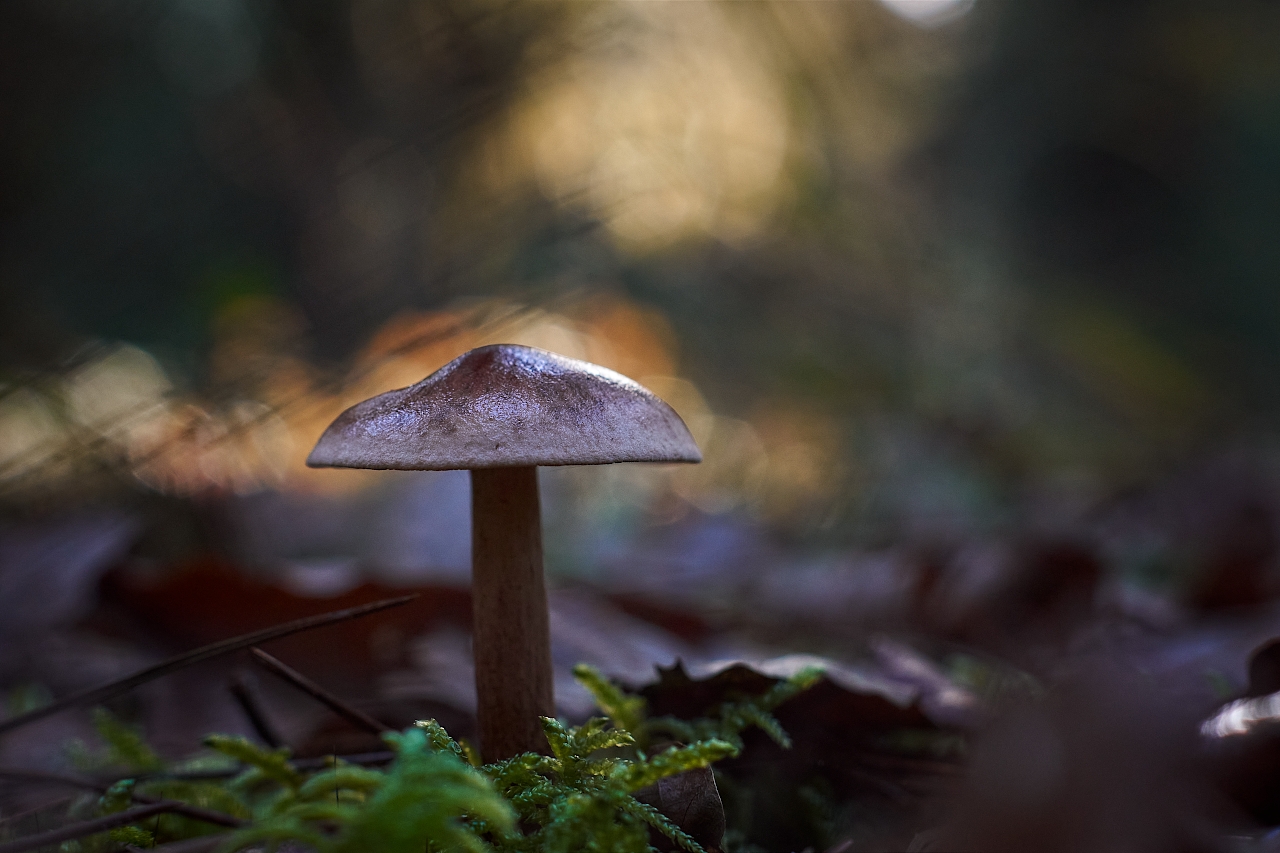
column 500, row 411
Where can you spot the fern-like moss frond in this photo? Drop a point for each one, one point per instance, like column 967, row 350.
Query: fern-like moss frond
column 434, row 799
column 270, row 763
column 626, row 712
column 677, row 759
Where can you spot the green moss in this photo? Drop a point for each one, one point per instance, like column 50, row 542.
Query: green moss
column 434, row 798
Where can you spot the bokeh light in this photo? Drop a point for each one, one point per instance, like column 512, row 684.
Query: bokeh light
column 259, row 438
column 682, row 134
column 929, row 13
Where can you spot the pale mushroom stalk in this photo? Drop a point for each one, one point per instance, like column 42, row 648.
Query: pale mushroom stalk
column 500, row 411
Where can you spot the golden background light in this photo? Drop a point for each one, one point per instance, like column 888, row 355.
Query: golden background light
column 119, row 411
column 676, row 128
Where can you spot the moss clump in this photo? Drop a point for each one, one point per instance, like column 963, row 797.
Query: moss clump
column 433, row 796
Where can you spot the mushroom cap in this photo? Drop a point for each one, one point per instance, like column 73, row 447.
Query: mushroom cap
column 505, row 406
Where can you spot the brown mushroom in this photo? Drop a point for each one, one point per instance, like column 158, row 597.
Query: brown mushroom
column 500, row 411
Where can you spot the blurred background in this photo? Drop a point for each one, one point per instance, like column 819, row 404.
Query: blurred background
column 971, row 306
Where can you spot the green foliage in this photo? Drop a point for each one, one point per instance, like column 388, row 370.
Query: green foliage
column 265, row 765
column 118, row 797
column 427, row 797
column 625, row 712
column 27, row 697
column 134, row 835
column 125, row 748
column 581, row 796
column 440, row 740
column 433, row 797
column 994, row 681
column 732, row 718
column 676, row 759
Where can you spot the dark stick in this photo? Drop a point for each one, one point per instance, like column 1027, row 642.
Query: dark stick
column 352, row 715
column 96, row 695
column 51, row 779
column 203, row 844
column 244, row 689
column 363, row 759
column 91, row 827
column 194, row 812
column 13, row 818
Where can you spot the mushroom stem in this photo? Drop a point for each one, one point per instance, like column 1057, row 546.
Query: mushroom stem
column 512, row 639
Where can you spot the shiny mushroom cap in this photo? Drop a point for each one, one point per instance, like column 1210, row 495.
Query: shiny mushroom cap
column 505, row 406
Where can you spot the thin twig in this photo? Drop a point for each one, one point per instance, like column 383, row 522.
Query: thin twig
column 91, row 827
column 175, row 806
column 244, row 689
column 321, row 762
column 203, row 844
column 195, row 812
column 362, row 759
column 14, row 818
column 352, row 715
column 96, row 695
column 39, row 776
column 104, row 437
